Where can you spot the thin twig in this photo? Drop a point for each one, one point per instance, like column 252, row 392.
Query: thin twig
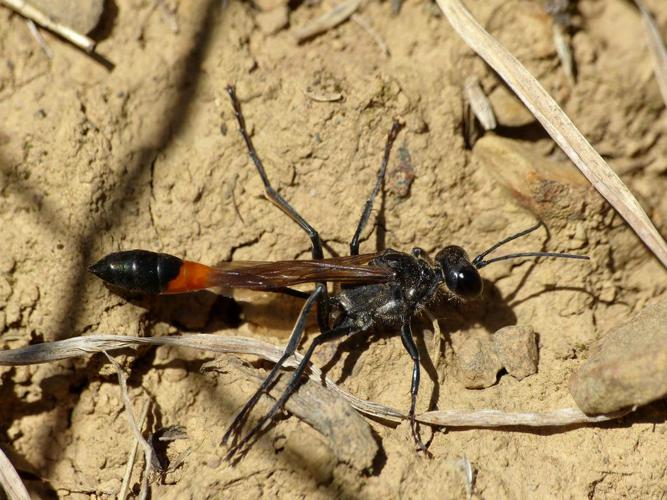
column 495, row 418
column 10, row 480
column 366, row 26
column 134, row 427
column 30, row 12
column 34, row 31
column 556, row 123
column 80, row 346
column 327, row 21
column 122, row 493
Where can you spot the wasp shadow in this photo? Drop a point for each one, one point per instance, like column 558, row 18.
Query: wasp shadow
column 201, row 311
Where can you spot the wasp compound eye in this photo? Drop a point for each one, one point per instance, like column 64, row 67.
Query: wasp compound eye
column 461, row 277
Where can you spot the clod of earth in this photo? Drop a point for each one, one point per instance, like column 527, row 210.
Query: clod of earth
column 629, row 366
column 545, row 187
column 477, row 360
column 516, row 347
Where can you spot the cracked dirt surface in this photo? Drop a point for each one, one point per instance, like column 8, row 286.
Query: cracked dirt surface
column 148, row 156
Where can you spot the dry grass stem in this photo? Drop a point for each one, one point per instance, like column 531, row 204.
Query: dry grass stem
column 148, row 449
column 657, row 47
column 329, row 20
column 556, row 123
column 80, row 346
column 34, row 31
column 564, row 51
column 366, row 26
column 479, row 103
column 122, row 493
column 497, row 418
column 30, row 12
column 10, row 480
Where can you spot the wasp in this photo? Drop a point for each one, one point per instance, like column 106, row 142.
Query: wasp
column 382, row 289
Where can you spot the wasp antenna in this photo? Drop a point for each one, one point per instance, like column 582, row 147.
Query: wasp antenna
column 480, row 258
column 479, row 263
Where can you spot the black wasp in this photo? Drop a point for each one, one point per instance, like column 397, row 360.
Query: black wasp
column 385, row 288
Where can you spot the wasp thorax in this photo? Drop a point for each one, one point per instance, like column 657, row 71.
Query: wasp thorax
column 461, row 277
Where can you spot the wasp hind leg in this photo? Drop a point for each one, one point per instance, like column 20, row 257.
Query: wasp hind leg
column 234, row 429
column 368, row 206
column 275, row 198
column 242, row 445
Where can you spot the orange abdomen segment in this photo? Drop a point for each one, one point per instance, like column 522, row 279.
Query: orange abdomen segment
column 192, row 276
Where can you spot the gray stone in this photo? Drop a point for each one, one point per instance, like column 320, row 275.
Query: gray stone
column 628, row 367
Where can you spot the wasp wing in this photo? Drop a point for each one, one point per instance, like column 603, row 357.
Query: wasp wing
column 254, row 275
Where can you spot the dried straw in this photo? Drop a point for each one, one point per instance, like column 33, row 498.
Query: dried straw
column 81, row 346
column 327, row 21
column 30, row 12
column 10, row 480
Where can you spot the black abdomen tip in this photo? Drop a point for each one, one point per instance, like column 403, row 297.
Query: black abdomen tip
column 138, row 270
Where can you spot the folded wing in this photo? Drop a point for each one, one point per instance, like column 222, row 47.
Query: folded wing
column 347, row 270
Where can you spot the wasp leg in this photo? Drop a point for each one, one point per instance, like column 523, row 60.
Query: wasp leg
column 409, row 344
column 292, row 345
column 247, row 441
column 368, row 206
column 275, row 198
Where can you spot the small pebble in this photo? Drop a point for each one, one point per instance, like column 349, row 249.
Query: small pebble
column 478, row 362
column 517, row 350
column 509, row 110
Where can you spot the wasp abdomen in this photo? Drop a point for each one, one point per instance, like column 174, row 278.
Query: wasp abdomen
column 138, row 270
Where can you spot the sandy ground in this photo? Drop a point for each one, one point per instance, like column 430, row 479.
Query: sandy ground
column 148, row 156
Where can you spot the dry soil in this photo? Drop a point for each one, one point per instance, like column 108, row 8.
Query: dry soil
column 147, row 155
